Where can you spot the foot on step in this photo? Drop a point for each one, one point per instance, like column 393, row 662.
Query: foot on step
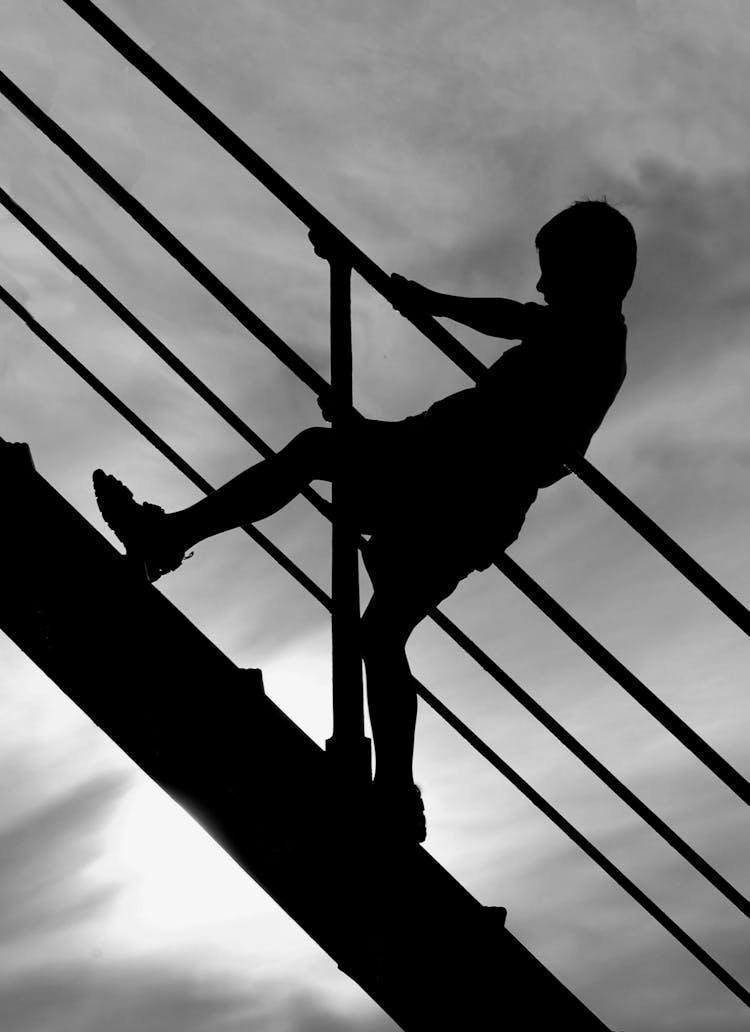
column 400, row 812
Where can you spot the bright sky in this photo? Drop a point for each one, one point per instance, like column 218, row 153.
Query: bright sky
column 439, row 136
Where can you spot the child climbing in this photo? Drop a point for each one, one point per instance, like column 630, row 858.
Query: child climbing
column 444, row 492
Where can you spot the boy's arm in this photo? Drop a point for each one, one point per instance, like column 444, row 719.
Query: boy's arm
column 495, row 316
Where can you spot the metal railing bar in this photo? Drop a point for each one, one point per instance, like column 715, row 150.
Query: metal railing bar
column 643, row 525
column 582, row 842
column 446, row 625
column 453, row 721
column 460, row 355
column 589, row 760
column 380, row 281
column 153, row 438
column 318, row 221
column 252, row 162
column 163, row 236
column 149, row 338
column 628, row 681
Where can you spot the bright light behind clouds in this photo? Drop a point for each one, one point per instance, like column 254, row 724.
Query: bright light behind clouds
column 439, row 136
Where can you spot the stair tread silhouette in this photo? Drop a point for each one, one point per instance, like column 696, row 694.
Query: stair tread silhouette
column 202, row 728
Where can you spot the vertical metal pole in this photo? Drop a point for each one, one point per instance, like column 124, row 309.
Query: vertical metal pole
column 348, row 746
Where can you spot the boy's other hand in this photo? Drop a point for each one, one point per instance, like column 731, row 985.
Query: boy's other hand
column 329, row 411
column 408, row 295
column 326, row 407
column 327, row 244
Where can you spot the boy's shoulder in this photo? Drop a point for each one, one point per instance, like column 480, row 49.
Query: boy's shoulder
column 544, row 319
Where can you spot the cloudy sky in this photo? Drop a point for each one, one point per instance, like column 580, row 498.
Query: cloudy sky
column 439, row 136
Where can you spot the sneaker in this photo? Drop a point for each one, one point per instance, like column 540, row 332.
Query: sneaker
column 401, row 814
column 140, row 527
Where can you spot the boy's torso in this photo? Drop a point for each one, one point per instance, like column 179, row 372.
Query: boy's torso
column 542, row 398
column 461, row 476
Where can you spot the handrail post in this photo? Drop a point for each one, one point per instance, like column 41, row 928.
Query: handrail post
column 348, row 747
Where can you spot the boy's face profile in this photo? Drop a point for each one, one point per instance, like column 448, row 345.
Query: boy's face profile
column 562, row 281
column 571, row 279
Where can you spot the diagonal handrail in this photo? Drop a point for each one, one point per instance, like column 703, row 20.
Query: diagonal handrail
column 300, row 367
column 591, row 851
column 250, row 160
column 148, row 337
column 448, row 344
column 380, row 281
column 458, row 725
column 153, row 438
column 650, row 531
column 442, row 621
column 163, row 236
column 624, row 677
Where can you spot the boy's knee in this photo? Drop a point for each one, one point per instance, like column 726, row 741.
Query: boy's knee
column 312, row 440
column 309, row 451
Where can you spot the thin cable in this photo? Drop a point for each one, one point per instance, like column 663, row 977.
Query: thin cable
column 484, row 750
column 590, row 761
column 148, row 337
column 250, row 160
column 665, row 545
column 156, row 229
column 77, row 5
column 153, row 438
column 628, row 681
column 452, row 348
column 159, row 348
column 313, row 219
column 582, row 842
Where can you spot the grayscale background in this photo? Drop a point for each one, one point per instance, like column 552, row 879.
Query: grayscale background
column 439, row 136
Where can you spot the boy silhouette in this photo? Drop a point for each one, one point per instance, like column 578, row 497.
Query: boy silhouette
column 444, row 492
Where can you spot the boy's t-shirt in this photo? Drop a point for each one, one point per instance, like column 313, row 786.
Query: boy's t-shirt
column 488, row 449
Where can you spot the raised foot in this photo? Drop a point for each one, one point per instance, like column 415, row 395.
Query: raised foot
column 139, row 526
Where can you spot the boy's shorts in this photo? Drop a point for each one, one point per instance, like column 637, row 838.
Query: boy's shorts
column 433, row 509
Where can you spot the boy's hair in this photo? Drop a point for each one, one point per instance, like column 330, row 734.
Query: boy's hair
column 593, row 230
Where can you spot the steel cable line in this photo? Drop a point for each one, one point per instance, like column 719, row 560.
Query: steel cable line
column 446, row 625
column 653, row 909
column 380, row 281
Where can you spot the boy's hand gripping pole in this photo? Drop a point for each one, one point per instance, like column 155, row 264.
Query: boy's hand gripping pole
column 348, row 747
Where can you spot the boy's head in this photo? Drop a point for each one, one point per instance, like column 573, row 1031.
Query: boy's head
column 587, row 254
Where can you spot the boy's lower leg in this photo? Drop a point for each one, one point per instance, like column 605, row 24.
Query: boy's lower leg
column 391, row 688
column 257, row 492
column 392, row 704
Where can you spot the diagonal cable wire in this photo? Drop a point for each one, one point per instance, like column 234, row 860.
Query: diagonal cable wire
column 627, row 680
column 591, row 851
column 645, row 901
column 230, row 300
column 163, row 236
column 148, row 337
column 446, row 625
column 250, row 160
column 92, row 7
column 590, row 761
column 661, row 541
column 380, row 281
column 460, row 355
column 153, row 438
